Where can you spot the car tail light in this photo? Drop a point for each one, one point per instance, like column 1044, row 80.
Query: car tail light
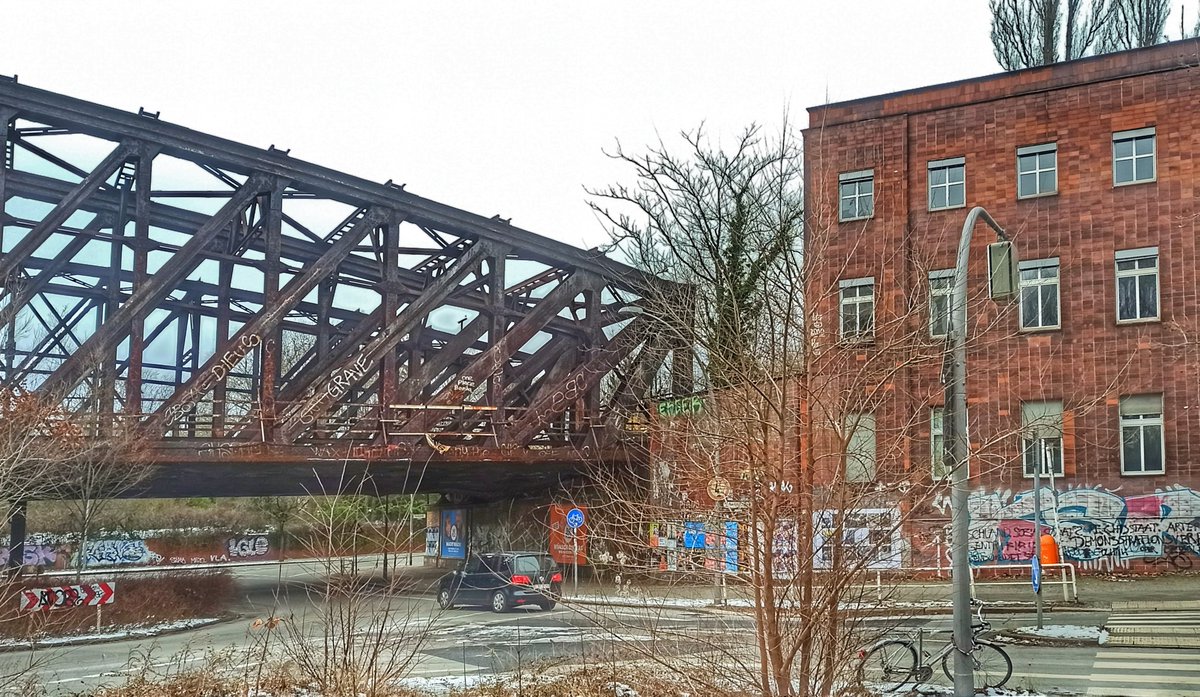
column 519, row 580
column 556, row 578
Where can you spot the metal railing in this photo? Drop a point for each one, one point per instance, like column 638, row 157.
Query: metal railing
column 1066, row 577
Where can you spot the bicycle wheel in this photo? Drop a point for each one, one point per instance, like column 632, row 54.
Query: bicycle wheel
column 991, row 664
column 889, row 664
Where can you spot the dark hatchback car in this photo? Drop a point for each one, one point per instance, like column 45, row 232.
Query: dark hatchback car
column 503, row 580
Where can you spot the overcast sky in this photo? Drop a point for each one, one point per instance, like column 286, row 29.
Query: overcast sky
column 494, row 107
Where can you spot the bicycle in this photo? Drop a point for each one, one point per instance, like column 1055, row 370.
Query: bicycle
column 1175, row 556
column 897, row 661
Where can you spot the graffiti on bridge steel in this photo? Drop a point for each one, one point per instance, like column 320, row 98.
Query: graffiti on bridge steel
column 212, row 376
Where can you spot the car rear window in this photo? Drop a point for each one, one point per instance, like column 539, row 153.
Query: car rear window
column 533, row 565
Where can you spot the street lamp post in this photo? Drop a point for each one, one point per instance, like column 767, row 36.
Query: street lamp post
column 957, row 447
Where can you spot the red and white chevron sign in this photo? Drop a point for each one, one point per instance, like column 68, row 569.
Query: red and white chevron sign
column 86, row 595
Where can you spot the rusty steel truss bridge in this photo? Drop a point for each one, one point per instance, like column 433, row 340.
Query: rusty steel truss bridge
column 273, row 326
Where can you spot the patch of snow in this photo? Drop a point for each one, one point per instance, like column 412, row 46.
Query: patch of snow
column 1064, row 631
column 114, row 634
column 940, row 690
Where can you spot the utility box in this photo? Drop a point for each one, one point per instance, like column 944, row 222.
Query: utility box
column 1002, row 271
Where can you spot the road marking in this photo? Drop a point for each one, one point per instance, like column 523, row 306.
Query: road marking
column 1139, row 692
column 1133, row 654
column 1190, row 667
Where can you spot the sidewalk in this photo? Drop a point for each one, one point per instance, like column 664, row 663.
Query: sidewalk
column 1100, row 593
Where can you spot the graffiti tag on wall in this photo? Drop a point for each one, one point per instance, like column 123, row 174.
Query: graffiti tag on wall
column 1090, row 524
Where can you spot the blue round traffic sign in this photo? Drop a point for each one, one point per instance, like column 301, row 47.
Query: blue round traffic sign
column 1036, row 574
column 575, row 518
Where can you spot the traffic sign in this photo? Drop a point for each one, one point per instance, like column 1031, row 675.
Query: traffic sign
column 575, row 518
column 1036, row 574
column 59, row 597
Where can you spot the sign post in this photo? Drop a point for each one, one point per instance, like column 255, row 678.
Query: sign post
column 575, row 521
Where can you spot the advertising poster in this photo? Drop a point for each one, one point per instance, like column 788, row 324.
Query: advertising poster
column 693, row 535
column 870, row 535
column 431, row 534
column 731, row 547
column 453, row 534
column 563, row 537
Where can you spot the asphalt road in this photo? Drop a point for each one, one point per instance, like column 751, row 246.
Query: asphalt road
column 468, row 642
column 458, row 642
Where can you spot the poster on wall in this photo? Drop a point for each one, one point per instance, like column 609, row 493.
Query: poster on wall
column 783, row 547
column 431, row 534
column 731, row 547
column 869, row 534
column 563, row 538
column 453, row 534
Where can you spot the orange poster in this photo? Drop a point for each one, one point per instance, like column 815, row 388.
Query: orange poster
column 563, row 538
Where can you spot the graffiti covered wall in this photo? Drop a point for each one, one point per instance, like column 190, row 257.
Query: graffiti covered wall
column 1096, row 527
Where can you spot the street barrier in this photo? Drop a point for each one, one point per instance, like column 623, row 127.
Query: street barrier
column 1066, row 577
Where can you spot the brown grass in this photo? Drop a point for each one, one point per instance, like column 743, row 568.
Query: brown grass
column 140, row 600
column 216, row 679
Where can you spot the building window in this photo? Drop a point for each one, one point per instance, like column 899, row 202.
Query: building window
column 857, row 309
column 937, row 443
column 860, row 448
column 1037, row 170
column 1133, row 156
column 1039, row 294
column 1142, row 448
column 1041, row 437
column 947, row 184
column 856, row 193
column 941, row 285
column 1137, row 284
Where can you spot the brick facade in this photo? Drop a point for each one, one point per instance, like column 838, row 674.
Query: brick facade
column 1091, row 360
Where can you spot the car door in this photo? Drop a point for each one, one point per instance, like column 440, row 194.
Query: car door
column 494, row 576
column 469, row 582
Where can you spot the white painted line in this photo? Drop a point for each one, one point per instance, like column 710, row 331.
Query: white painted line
column 1133, row 654
column 1172, row 680
column 1189, row 667
column 1139, row 692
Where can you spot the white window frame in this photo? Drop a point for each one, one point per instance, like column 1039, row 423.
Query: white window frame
column 856, row 179
column 1133, row 137
column 947, row 165
column 862, row 447
column 1140, row 419
column 1046, row 432
column 1037, row 151
column 1038, row 284
column 945, row 293
column 848, row 301
column 937, row 445
column 1135, row 256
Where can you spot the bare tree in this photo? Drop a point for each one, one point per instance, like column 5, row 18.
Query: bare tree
column 1029, row 33
column 1135, row 24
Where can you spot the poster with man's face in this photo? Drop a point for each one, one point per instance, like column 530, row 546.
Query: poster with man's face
column 453, row 534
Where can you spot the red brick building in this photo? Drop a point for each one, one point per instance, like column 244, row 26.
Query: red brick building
column 1093, row 167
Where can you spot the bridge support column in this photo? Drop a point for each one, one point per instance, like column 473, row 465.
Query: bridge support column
column 16, row 539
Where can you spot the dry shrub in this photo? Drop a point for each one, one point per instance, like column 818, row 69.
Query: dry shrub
column 140, row 600
column 633, row 680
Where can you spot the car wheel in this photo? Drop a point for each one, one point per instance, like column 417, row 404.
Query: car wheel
column 444, row 599
column 547, row 605
column 499, row 601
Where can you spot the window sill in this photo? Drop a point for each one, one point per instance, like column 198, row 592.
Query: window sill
column 1143, row 474
column 857, row 342
column 1030, row 197
column 1045, row 476
column 1039, row 330
column 1118, row 185
column 1148, row 320
column 856, row 220
column 947, row 208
